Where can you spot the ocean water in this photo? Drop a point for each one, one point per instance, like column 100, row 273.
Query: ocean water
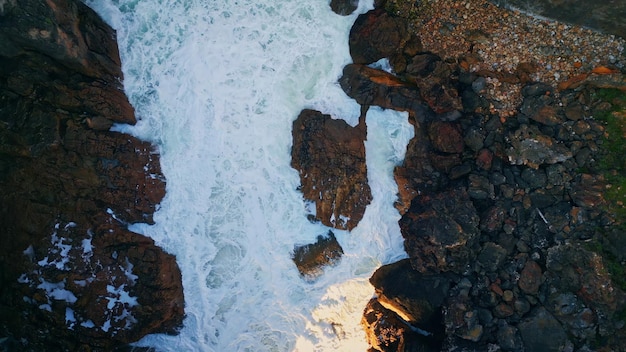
column 216, row 85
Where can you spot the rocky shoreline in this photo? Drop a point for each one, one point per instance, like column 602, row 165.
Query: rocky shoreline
column 511, row 190
column 510, row 193
column 72, row 276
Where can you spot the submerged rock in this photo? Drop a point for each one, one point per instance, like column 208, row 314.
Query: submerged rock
column 312, row 258
column 329, row 155
column 344, row 7
column 73, row 276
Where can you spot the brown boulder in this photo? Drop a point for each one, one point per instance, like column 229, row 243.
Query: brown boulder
column 311, row 258
column 73, row 276
column 376, row 35
column 329, row 154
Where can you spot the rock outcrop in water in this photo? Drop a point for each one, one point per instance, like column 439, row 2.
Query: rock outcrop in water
column 502, row 217
column 329, row 154
column 73, row 277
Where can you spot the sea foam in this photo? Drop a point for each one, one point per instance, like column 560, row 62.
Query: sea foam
column 216, row 86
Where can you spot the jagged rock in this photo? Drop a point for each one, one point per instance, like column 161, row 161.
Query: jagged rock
column 491, row 256
column 432, row 77
column 531, row 147
column 329, row 154
column 440, row 231
column 415, row 297
column 73, row 277
column 376, row 35
column 385, row 331
column 311, row 258
column 542, row 332
column 344, row 7
column 369, row 86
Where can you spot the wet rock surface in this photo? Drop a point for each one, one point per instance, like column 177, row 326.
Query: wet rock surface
column 329, row 155
column 73, row 277
column 311, row 259
column 506, row 204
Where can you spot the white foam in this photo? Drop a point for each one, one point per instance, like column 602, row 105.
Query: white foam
column 216, row 86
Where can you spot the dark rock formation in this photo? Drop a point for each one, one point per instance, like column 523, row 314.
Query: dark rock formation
column 72, row 276
column 329, row 154
column 369, row 86
column 376, row 35
column 440, row 232
column 385, row 331
column 311, row 258
column 513, row 208
column 415, row 297
column 344, row 7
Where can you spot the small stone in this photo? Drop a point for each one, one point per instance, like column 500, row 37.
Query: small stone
column 508, row 296
column 522, row 306
column 474, row 138
column 536, row 178
column 479, row 187
column 484, row 159
column 530, row 278
column 503, row 310
column 574, row 112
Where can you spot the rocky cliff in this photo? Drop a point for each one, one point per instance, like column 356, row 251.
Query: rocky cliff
column 73, row 277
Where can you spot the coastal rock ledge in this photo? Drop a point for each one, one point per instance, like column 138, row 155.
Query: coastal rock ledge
column 72, row 276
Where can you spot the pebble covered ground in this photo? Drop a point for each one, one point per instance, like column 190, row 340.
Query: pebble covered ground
column 483, row 36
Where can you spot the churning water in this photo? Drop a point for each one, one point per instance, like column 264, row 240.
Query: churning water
column 216, row 85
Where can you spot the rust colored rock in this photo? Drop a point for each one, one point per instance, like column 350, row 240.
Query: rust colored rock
column 74, row 277
column 329, row 154
column 484, row 159
column 530, row 278
column 446, row 137
column 376, row 35
column 369, row 86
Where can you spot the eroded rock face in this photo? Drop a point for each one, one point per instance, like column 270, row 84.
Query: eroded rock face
column 329, row 154
column 73, row 277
